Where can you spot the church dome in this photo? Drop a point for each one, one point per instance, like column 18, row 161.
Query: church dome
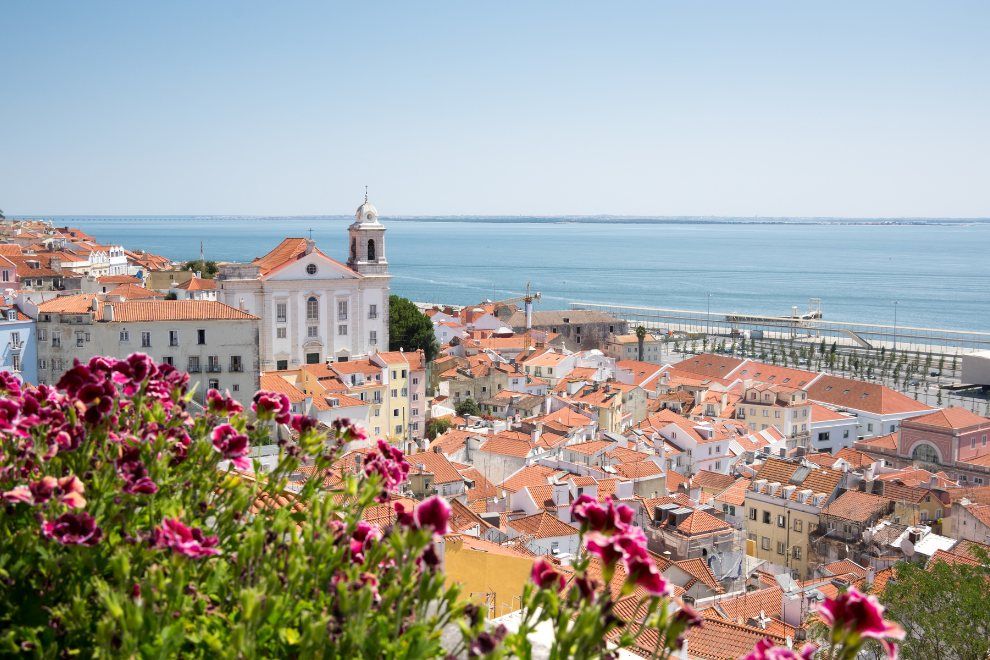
column 366, row 214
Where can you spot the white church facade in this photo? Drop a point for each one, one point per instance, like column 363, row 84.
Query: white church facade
column 313, row 308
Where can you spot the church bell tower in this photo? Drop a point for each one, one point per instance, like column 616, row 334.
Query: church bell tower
column 367, row 246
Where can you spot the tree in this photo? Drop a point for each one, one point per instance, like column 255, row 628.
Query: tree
column 409, row 328
column 942, row 608
column 468, row 407
column 436, row 427
column 640, row 341
column 206, row 269
column 171, row 295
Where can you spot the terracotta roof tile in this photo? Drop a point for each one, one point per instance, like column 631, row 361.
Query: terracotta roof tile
column 859, row 395
column 950, row 418
column 856, row 506
column 438, row 465
column 543, row 525
column 131, row 311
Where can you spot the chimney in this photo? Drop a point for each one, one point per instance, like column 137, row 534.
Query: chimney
column 95, row 304
column 536, row 433
column 107, row 312
column 310, row 245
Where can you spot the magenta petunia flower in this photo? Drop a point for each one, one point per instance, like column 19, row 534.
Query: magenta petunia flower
column 643, row 573
column 432, row 513
column 545, row 576
column 854, row 613
column 232, row 445
column 390, row 464
column 272, row 406
column 765, row 650
column 597, row 518
column 222, row 405
column 72, row 529
column 185, row 540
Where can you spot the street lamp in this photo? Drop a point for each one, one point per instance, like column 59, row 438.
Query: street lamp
column 709, row 313
column 895, row 325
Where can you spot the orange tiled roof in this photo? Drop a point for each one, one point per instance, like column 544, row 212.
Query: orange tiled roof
column 707, row 364
column 950, row 418
column 288, row 251
column 131, row 311
column 438, row 465
column 856, row 506
column 134, row 292
column 855, row 458
column 543, row 525
column 734, row 495
column 887, row 442
column 275, row 383
column 859, row 395
column 640, row 470
column 198, row 284
column 700, row 522
column 712, row 480
column 508, row 443
column 531, row 475
column 589, row 448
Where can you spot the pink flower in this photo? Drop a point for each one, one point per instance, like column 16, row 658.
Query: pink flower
column 597, row 518
column 72, row 529
column 365, row 534
column 765, row 650
column 218, row 404
column 71, row 492
column 545, row 576
column 19, row 494
column 232, row 445
column 188, row 541
column 390, row 464
column 858, row 615
column 643, row 573
column 271, row 405
column 302, row 423
column 349, row 431
column 432, row 513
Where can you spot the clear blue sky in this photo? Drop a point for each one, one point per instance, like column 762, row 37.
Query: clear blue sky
column 693, row 107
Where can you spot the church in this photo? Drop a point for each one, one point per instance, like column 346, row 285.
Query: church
column 313, row 308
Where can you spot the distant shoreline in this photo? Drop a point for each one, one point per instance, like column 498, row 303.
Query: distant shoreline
column 562, row 219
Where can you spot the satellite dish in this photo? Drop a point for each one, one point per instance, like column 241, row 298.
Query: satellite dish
column 907, row 548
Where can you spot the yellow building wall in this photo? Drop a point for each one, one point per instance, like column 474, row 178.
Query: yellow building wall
column 481, row 573
column 398, row 402
column 778, row 534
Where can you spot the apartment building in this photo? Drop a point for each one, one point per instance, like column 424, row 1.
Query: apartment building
column 217, row 344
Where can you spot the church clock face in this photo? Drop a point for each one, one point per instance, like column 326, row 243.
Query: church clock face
column 311, row 269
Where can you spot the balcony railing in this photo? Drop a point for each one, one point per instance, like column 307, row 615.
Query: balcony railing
column 194, row 369
column 236, row 368
column 213, row 368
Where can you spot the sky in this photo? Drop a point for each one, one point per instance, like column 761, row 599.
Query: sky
column 735, row 108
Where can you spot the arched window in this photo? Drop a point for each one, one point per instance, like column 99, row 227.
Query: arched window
column 312, row 309
column 371, row 250
column 353, row 249
column 925, row 454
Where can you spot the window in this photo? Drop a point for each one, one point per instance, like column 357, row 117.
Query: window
column 193, row 364
column 56, row 339
column 42, row 364
column 168, row 360
column 766, row 517
column 6, row 275
column 797, row 525
column 281, row 365
column 415, row 412
column 281, row 312
column 341, row 310
column 235, row 363
column 371, row 250
column 15, row 340
column 416, row 381
column 404, row 373
column 42, row 334
column 15, row 361
column 124, row 336
column 342, row 330
column 311, row 269
column 80, row 338
column 373, row 337
column 781, row 548
column 201, row 336
column 765, row 543
column 845, row 434
column 145, row 339
column 214, row 384
column 823, row 436
column 869, row 428
column 372, row 311
column 312, row 331
column 280, row 333
column 796, row 551
column 173, row 337
column 312, row 358
column 752, row 514
column 312, row 309
column 213, row 364
column 395, row 412
column 781, row 522
column 398, row 429
column 395, row 392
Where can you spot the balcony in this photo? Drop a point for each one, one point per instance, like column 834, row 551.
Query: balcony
column 194, row 368
column 236, row 368
column 213, row 368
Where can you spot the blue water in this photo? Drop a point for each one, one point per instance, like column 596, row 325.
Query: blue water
column 939, row 272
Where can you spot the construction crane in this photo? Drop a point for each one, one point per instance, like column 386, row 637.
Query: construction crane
column 528, row 299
